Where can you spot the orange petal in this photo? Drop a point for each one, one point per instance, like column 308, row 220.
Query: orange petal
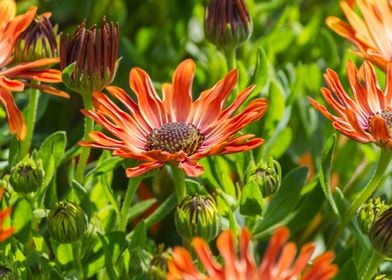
column 191, row 168
column 182, row 90
column 149, row 102
column 378, row 128
column 206, row 257
column 142, row 168
column 7, row 11
column 11, row 85
column 15, row 117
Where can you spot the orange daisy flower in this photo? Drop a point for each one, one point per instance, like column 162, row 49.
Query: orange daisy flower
column 174, row 128
column 280, row 261
column 11, row 27
column 367, row 117
column 370, row 33
column 4, row 233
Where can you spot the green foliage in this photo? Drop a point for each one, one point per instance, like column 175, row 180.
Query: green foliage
column 131, row 219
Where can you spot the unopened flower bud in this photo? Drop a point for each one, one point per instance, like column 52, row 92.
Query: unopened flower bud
column 369, row 213
column 158, row 264
column 197, row 215
column 6, row 273
column 27, row 176
column 381, row 233
column 227, row 23
column 89, row 58
column 67, row 222
column 39, row 40
column 267, row 175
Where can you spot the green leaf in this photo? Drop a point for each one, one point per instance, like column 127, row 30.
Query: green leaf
column 140, row 208
column 107, row 165
column 164, row 209
column 283, row 202
column 112, row 243
column 260, row 74
column 54, row 145
column 325, row 174
column 22, row 215
column 51, row 152
column 348, row 271
column 251, row 203
column 138, row 236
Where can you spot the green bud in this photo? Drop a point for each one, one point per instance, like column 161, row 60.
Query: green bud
column 381, row 233
column 227, row 23
column 369, row 213
column 27, row 176
column 39, row 40
column 267, row 175
column 6, row 273
column 158, row 264
column 197, row 215
column 67, row 222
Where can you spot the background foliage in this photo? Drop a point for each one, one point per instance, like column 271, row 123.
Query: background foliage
column 292, row 46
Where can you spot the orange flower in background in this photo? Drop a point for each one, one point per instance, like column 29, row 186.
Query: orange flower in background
column 11, row 27
column 174, row 128
column 367, row 117
column 370, row 32
column 4, row 233
column 280, row 262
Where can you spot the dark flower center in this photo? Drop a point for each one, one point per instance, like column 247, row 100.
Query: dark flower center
column 174, row 137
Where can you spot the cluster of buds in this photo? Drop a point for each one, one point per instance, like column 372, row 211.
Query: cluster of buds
column 89, row 58
column 197, row 215
column 27, row 176
column 227, row 23
column 67, row 222
column 370, row 212
column 39, row 40
column 158, row 264
column 267, row 175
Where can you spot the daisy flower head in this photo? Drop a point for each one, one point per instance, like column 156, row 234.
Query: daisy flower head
column 366, row 116
column 14, row 76
column 280, row 261
column 174, row 128
column 369, row 31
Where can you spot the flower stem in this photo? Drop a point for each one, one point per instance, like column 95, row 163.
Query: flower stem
column 76, row 250
column 85, row 151
column 372, row 265
column 230, row 58
column 30, row 121
column 179, row 183
column 366, row 193
column 133, row 183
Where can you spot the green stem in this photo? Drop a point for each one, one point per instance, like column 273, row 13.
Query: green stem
column 366, row 193
column 85, row 151
column 76, row 250
column 230, row 58
column 179, row 183
column 133, row 183
column 372, row 266
column 30, row 121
